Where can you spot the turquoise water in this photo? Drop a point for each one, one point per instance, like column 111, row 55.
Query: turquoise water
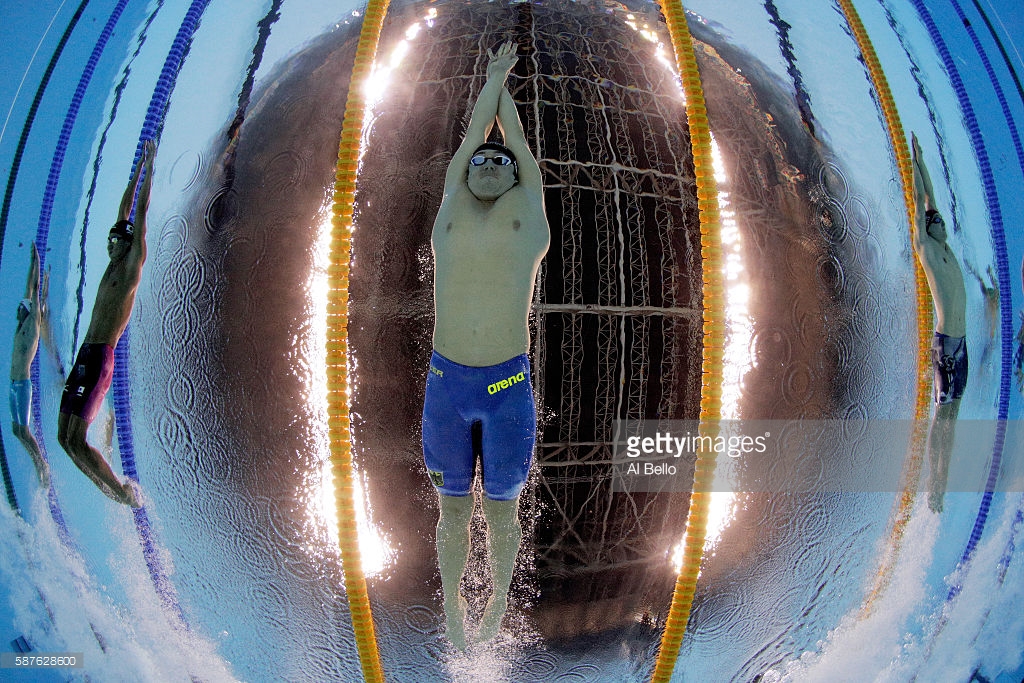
column 231, row 572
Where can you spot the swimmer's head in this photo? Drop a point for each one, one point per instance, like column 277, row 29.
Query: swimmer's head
column 498, row 149
column 24, row 310
column 935, row 226
column 120, row 238
column 492, row 171
column 123, row 230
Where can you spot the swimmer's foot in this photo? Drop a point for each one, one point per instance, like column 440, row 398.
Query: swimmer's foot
column 935, row 501
column 494, row 613
column 455, row 622
column 43, row 470
column 131, row 494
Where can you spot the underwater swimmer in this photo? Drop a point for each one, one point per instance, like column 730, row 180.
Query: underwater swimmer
column 949, row 345
column 90, row 377
column 489, row 238
column 26, row 343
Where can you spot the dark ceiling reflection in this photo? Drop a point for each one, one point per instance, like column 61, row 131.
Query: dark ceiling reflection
column 617, row 328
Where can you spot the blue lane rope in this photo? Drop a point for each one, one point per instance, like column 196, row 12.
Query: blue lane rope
column 1003, row 104
column 1002, row 49
column 121, row 383
column 43, row 234
column 12, row 179
column 1003, row 274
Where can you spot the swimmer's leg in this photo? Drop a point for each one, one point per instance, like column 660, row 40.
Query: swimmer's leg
column 940, row 451
column 504, row 534
column 28, row 440
column 452, row 555
column 71, row 434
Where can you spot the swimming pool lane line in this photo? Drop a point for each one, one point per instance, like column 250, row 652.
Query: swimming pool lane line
column 28, row 67
column 1002, row 49
column 1005, row 288
column 244, row 95
column 1004, row 105
column 914, row 462
column 713, row 294
column 19, row 153
column 121, row 383
column 5, row 470
column 12, row 179
column 337, row 342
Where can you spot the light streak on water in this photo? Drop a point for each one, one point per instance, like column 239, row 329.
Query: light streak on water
column 736, row 359
column 375, row 551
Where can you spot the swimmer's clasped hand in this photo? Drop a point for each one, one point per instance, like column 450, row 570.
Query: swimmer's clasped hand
column 502, row 61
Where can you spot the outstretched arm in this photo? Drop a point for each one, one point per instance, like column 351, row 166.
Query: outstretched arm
column 32, row 283
column 128, row 198
column 512, row 130
column 485, row 112
column 922, row 194
column 139, row 242
column 149, row 151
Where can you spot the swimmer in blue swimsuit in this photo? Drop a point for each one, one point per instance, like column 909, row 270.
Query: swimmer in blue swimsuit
column 949, row 347
column 498, row 398
column 26, row 343
column 489, row 238
column 91, row 374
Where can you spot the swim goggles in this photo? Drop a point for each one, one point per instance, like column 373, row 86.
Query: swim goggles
column 498, row 159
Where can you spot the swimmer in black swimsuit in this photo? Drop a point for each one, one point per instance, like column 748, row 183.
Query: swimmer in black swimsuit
column 949, row 349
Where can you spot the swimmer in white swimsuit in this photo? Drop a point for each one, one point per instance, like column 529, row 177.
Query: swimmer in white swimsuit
column 26, row 343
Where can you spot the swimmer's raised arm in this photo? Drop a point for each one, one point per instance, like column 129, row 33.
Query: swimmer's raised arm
column 512, row 130
column 923, row 195
column 124, row 213
column 32, row 283
column 485, row 112
column 148, row 153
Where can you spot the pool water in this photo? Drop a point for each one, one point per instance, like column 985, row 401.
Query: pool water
column 231, row 570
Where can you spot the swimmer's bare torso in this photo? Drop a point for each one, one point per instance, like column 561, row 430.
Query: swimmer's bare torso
column 486, row 257
column 946, row 281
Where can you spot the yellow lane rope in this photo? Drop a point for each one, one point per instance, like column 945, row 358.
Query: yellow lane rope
column 714, row 338
column 915, row 456
column 337, row 343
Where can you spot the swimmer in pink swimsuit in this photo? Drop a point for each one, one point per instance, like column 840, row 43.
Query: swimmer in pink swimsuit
column 94, row 367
